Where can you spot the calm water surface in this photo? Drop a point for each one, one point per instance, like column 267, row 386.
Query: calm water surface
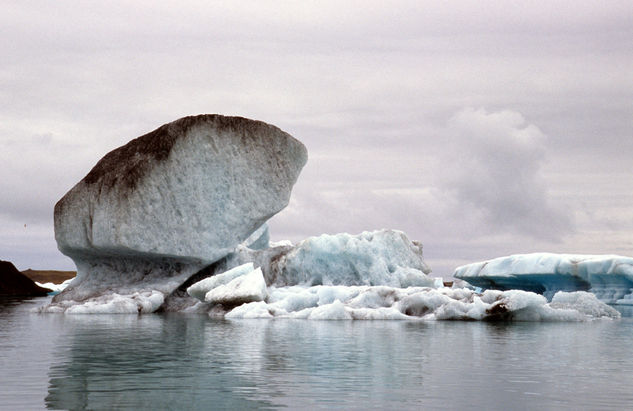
column 193, row 362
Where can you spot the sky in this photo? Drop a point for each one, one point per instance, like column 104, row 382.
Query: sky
column 479, row 128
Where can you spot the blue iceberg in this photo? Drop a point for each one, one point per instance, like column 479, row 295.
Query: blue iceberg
column 609, row 277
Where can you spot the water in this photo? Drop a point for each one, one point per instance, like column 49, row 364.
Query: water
column 193, row 362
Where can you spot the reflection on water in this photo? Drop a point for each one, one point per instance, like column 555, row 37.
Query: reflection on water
column 178, row 361
column 193, row 362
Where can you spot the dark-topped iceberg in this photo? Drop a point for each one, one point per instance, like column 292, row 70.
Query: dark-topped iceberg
column 158, row 209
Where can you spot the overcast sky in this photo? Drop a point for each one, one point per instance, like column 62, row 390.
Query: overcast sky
column 479, row 128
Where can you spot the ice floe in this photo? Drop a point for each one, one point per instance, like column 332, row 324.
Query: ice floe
column 338, row 302
column 420, row 303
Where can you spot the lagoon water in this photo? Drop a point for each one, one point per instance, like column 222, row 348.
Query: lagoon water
column 194, row 362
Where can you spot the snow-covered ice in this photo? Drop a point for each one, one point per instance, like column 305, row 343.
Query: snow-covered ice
column 609, row 277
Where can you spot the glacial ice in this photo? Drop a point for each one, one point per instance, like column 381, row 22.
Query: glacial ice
column 609, row 277
column 111, row 303
column 382, row 257
column 241, row 293
column 420, row 303
column 243, row 289
column 56, row 288
column 191, row 199
column 154, row 212
column 202, row 287
column 259, row 240
column 239, row 285
column 193, row 188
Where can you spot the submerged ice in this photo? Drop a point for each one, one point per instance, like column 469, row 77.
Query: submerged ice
column 609, row 277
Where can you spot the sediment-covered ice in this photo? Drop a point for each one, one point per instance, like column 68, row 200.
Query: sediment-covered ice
column 111, row 303
column 195, row 188
column 154, row 212
column 609, row 277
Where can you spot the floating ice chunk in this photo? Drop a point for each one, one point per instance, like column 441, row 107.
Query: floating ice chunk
column 201, row 288
column 293, row 298
column 335, row 310
column 380, row 313
column 242, row 289
column 136, row 303
column 421, row 303
column 586, row 303
column 609, row 277
column 257, row 309
column 57, row 288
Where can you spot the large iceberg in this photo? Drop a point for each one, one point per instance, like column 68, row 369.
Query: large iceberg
column 382, row 257
column 609, row 277
column 154, row 212
column 336, row 302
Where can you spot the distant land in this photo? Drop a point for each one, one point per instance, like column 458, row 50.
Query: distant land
column 49, row 276
column 13, row 282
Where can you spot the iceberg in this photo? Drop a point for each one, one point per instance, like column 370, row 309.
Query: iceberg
column 56, row 288
column 243, row 289
column 200, row 289
column 240, row 285
column 609, row 277
column 157, row 210
column 382, row 257
column 241, row 293
column 421, row 304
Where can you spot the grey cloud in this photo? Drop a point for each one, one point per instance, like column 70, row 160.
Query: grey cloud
column 497, row 170
column 368, row 87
